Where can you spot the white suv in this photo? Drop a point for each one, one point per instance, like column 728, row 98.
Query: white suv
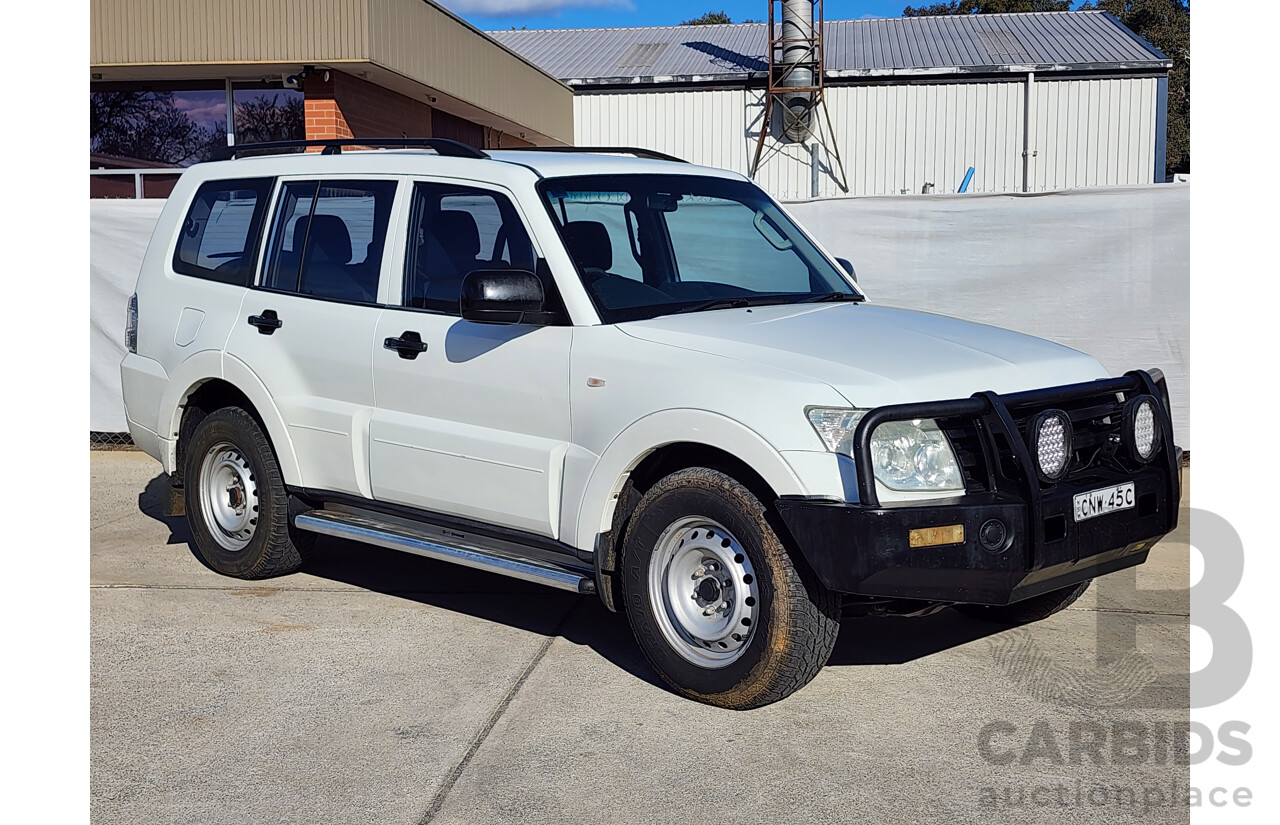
column 615, row 373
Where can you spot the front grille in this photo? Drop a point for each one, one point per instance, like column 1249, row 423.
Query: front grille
column 1097, row 445
column 966, row 443
column 1096, row 442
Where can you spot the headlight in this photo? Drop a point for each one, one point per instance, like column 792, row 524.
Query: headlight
column 908, row 456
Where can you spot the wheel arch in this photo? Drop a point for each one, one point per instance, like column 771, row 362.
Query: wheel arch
column 211, row 393
column 659, row 445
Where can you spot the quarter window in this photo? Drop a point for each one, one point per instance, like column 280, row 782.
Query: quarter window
column 220, row 234
column 328, row 239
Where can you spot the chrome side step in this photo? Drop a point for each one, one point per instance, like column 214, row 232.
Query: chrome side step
column 399, row 534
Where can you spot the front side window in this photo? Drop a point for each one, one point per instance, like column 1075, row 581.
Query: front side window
column 328, row 239
column 219, row 236
column 649, row 245
column 456, row 230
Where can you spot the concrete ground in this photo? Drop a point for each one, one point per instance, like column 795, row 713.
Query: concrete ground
column 384, row 688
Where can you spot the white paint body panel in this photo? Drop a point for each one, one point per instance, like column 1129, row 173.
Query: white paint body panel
column 317, row 369
column 476, row 426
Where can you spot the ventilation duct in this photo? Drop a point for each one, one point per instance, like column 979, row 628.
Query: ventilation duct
column 798, row 65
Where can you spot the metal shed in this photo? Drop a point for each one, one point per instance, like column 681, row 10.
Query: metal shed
column 1032, row 102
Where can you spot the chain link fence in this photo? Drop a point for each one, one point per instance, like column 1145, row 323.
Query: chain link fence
column 110, row 441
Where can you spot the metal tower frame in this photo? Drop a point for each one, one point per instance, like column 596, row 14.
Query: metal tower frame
column 779, row 72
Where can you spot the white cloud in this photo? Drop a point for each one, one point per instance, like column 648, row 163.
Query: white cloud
column 494, row 8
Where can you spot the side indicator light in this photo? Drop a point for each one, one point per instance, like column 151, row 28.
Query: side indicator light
column 935, row 536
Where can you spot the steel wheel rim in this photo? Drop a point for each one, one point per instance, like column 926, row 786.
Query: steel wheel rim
column 228, row 496
column 703, row 592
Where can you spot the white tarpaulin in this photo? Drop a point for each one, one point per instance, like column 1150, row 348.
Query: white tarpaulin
column 1105, row 271
column 118, row 234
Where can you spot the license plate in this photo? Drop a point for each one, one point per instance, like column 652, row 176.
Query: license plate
column 1107, row 500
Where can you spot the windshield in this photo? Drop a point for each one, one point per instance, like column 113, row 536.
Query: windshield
column 649, row 245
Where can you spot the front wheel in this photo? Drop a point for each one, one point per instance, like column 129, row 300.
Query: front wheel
column 717, row 604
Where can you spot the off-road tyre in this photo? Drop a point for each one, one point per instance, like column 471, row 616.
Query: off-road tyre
column 1028, row 610
column 796, row 619
column 275, row 547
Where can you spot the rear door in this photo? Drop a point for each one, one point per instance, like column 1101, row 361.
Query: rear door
column 307, row 328
column 475, row 422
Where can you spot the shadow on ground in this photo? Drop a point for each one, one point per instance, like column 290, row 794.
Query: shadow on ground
column 873, row 640
column 151, row 503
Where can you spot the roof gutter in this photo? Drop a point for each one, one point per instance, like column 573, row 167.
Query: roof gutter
column 1020, row 70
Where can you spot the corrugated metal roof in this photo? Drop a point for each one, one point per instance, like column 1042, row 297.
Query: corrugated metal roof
column 1045, row 41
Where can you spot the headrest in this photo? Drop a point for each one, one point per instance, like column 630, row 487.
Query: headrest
column 588, row 243
column 328, row 234
column 458, row 233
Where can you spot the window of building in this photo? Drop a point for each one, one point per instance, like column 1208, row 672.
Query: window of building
column 156, row 125
column 455, row 230
column 135, row 125
column 328, row 239
column 219, row 238
column 264, row 112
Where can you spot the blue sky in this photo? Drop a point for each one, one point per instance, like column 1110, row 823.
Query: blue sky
column 572, row 14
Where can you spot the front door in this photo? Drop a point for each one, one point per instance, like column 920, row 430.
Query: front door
column 472, row 420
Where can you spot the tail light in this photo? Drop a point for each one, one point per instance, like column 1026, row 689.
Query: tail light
column 131, row 325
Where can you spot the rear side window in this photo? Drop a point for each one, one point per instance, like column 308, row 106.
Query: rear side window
column 328, row 238
column 219, row 237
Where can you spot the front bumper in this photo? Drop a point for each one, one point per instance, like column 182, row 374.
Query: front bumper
column 862, row 548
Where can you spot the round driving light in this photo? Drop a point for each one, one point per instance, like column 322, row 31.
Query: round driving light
column 1051, row 438
column 1143, row 434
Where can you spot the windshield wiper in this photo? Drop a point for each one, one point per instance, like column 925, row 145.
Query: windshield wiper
column 718, row 303
column 833, row 296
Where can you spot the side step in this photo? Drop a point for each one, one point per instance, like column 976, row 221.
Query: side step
column 398, row 534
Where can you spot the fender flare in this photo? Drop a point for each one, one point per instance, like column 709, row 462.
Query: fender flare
column 198, row 369
column 657, row 430
column 195, row 370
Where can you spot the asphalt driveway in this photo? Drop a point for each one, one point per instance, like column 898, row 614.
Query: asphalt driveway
column 384, row 688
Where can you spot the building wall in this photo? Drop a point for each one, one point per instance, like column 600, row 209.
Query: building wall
column 347, row 106
column 416, row 41
column 896, row 138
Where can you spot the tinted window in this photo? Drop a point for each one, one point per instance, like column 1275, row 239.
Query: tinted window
column 609, row 209
column 219, row 237
column 455, row 230
column 328, row 239
column 721, row 241
column 698, row 243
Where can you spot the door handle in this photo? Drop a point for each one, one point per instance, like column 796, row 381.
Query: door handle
column 267, row 323
column 409, row 344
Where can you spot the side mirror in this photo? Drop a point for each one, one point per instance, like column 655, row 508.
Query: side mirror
column 848, row 268
column 503, row 296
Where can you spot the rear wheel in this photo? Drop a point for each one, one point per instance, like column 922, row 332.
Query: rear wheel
column 1028, row 610
column 717, row 604
column 236, row 502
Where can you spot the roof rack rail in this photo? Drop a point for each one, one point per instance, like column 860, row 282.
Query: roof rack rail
column 601, row 150
column 442, row 146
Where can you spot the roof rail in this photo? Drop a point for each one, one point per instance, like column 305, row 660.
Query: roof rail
column 442, row 146
column 601, row 150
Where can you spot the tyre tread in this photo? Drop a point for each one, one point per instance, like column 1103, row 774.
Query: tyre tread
column 813, row 612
